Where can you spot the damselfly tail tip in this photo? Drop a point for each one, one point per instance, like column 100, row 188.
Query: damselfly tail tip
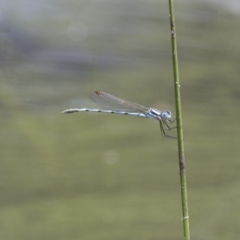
column 66, row 111
column 98, row 92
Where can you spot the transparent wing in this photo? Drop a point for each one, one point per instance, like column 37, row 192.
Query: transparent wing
column 108, row 101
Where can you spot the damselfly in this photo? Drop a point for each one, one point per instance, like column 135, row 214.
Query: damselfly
column 120, row 106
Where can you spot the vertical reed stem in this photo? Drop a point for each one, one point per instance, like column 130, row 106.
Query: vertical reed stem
column 183, row 181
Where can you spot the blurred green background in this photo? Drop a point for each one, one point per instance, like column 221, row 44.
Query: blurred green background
column 97, row 176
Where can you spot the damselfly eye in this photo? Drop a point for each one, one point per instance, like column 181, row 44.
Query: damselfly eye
column 167, row 115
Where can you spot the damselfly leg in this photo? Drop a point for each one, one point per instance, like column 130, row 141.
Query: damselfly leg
column 164, row 126
column 167, row 122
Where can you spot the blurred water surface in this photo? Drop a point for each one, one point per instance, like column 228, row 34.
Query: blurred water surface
column 96, row 176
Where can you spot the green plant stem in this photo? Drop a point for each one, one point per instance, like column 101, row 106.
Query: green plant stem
column 183, row 181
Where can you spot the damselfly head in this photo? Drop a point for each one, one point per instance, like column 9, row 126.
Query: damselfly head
column 166, row 115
